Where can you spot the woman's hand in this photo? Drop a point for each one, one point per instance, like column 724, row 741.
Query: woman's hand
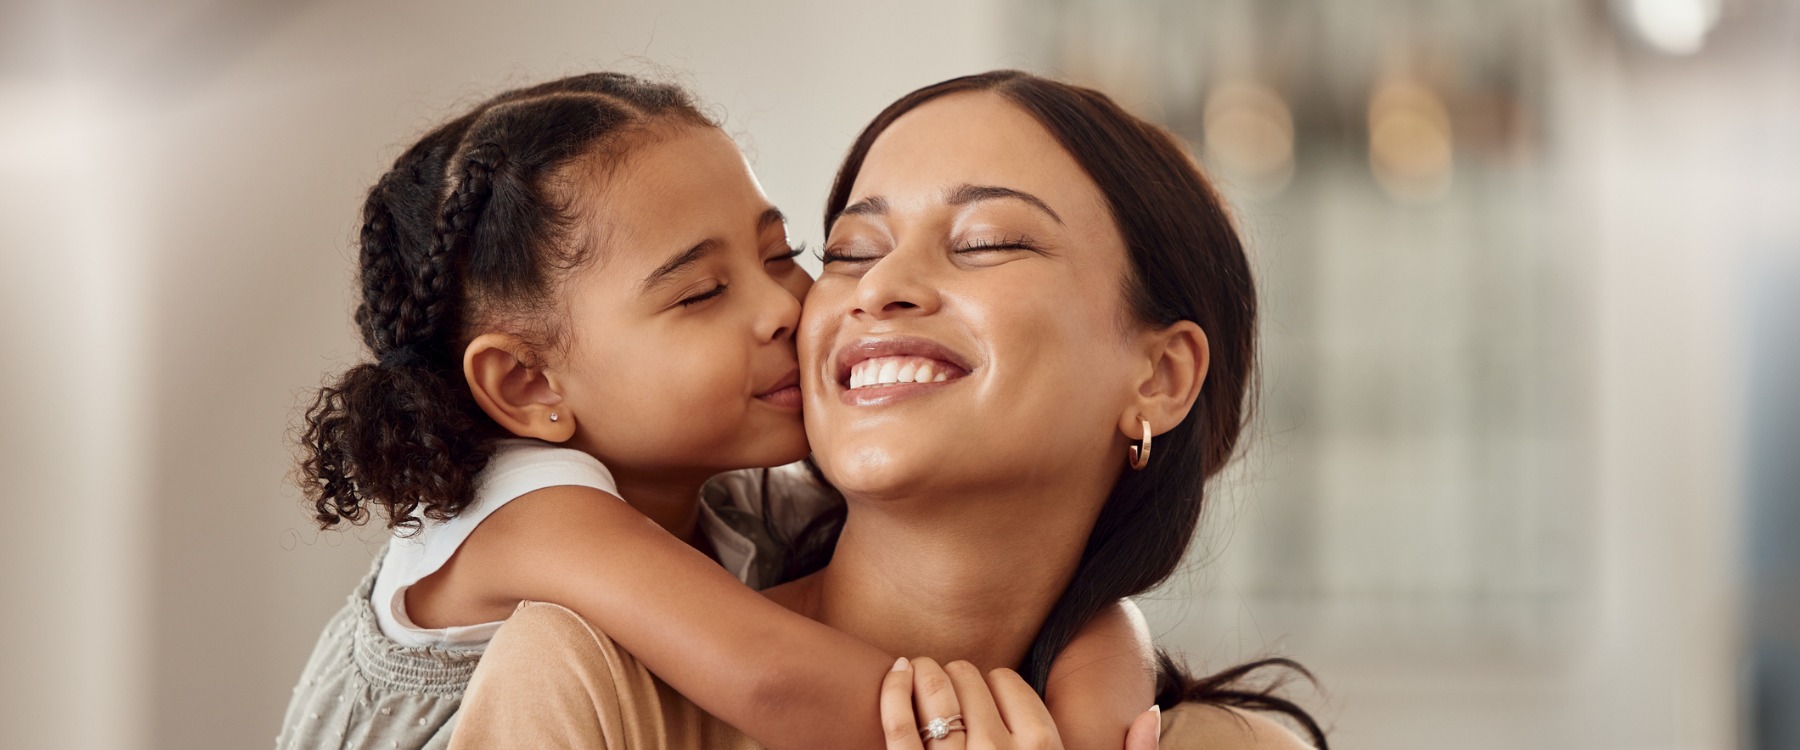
column 999, row 712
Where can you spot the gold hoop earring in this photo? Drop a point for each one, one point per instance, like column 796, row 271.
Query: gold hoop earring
column 1140, row 456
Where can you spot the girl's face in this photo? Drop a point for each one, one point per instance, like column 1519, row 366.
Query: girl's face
column 680, row 348
column 968, row 329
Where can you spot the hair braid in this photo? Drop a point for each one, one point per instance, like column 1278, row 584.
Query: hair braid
column 429, row 312
column 384, row 276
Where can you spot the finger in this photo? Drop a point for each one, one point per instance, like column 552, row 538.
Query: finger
column 1146, row 730
column 898, row 724
column 981, row 718
column 1024, row 712
column 934, row 697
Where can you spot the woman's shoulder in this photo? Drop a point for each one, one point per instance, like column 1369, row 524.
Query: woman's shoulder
column 552, row 679
column 1201, row 725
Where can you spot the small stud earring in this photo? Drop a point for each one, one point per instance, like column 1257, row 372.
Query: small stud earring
column 553, row 416
column 1140, row 458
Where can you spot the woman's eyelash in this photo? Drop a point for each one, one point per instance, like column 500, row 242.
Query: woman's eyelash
column 703, row 296
column 1005, row 243
column 792, row 253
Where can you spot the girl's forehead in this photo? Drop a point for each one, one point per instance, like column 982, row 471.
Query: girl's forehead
column 687, row 186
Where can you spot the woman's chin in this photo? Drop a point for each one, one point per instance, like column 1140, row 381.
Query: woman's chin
column 873, row 472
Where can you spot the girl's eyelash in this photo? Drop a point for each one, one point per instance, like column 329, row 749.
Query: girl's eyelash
column 703, row 296
column 833, row 256
column 792, row 253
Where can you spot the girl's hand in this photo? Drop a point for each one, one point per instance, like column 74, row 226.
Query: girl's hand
column 1000, row 712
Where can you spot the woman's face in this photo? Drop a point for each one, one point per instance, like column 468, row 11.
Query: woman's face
column 680, row 356
column 968, row 329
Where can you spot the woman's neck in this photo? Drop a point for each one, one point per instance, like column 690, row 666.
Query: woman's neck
column 949, row 578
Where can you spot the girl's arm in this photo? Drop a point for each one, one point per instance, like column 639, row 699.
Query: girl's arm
column 1103, row 680
column 785, row 680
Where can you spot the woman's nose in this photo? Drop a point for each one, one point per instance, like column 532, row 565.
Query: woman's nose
column 898, row 284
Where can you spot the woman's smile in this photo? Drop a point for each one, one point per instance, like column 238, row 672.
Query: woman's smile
column 875, row 371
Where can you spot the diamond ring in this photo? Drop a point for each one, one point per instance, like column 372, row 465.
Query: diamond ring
column 941, row 727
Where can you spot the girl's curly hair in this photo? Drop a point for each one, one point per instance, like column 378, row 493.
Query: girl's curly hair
column 472, row 226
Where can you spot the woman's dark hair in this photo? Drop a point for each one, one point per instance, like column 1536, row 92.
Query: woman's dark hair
column 473, row 227
column 1186, row 263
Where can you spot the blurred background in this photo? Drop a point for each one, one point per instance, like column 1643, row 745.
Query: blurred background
column 1526, row 471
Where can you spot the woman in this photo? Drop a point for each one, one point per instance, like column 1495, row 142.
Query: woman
column 1084, row 313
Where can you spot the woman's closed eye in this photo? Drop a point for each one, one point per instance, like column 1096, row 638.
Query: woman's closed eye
column 995, row 244
column 848, row 253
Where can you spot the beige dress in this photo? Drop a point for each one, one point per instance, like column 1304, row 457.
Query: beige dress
column 549, row 679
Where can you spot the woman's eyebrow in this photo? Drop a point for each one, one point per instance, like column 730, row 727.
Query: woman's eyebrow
column 966, row 194
column 871, row 206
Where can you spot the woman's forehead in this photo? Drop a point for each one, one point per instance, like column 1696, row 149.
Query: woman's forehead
column 974, row 138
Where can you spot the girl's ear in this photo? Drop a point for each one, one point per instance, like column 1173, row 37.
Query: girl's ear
column 1176, row 359
column 523, row 400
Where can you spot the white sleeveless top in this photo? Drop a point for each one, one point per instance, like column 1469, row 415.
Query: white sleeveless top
column 518, row 466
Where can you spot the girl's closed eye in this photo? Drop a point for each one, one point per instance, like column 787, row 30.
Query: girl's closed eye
column 696, row 299
column 788, row 254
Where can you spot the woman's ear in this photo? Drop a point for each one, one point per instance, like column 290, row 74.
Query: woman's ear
column 1177, row 358
column 523, row 400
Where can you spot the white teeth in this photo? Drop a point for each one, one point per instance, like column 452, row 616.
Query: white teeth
column 897, row 370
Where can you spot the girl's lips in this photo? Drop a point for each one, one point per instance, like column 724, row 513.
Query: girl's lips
column 785, row 393
column 785, row 398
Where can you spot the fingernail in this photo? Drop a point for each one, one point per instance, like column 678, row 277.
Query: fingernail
column 900, row 664
column 1158, row 711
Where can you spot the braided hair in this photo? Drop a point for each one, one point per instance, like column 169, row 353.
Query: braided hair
column 472, row 227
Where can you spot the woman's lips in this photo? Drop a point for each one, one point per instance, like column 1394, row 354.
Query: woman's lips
column 874, row 371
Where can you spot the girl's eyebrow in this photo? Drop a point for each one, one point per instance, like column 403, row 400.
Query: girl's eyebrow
column 692, row 255
column 663, row 273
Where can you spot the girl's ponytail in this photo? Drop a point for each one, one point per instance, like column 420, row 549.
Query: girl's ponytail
column 395, row 431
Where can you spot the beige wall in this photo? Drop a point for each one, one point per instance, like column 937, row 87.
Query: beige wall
column 178, row 192
column 178, row 272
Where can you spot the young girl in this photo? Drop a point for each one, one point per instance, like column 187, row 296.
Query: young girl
column 577, row 293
